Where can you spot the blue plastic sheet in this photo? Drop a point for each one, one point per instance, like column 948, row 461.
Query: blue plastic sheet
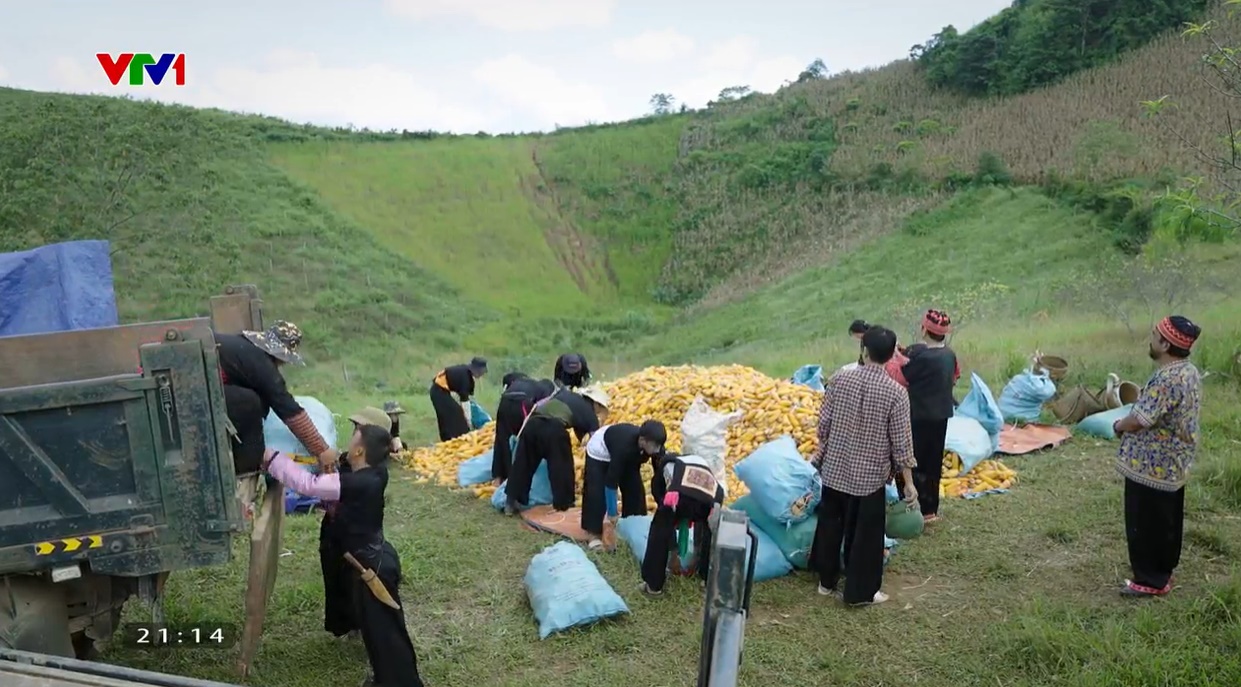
column 980, row 405
column 566, row 590
column 811, row 376
column 478, row 416
column 785, row 485
column 57, row 288
column 770, row 563
column 476, row 470
column 278, row 436
column 1023, row 397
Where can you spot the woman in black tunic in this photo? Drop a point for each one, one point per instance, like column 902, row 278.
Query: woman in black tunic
column 453, row 415
column 337, row 601
column 685, row 490
column 251, row 369
column 516, row 401
column 545, row 436
column 358, row 527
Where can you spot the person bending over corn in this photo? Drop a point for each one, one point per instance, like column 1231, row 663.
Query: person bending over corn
column 453, row 415
column 516, row 401
column 686, row 491
column 614, row 459
column 545, row 436
column 571, row 371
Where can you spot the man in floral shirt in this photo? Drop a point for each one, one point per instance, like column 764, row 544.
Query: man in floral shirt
column 1159, row 440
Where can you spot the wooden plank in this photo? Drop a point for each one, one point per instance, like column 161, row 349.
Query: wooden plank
column 237, row 310
column 87, row 353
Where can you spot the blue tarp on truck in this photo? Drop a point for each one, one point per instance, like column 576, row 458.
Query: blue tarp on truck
column 57, row 288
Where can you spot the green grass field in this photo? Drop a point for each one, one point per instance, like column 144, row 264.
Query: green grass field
column 398, row 254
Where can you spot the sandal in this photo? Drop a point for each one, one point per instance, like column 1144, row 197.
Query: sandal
column 1133, row 589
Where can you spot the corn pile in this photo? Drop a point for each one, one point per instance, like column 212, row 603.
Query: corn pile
column 988, row 474
column 771, row 408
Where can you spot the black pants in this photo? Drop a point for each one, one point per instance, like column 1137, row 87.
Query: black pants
column 509, row 415
column 661, row 541
column 544, row 438
column 246, row 411
column 1154, row 527
column 337, row 582
column 928, row 436
column 594, row 502
column 388, row 646
column 448, row 414
column 856, row 523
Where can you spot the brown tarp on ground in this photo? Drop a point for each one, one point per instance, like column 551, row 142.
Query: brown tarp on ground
column 564, row 523
column 1016, row 441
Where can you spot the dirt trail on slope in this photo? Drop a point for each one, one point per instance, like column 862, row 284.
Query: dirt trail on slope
column 583, row 257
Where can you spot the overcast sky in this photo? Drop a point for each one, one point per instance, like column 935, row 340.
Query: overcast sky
column 459, row 65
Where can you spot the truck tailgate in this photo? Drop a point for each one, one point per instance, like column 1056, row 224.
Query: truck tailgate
column 125, row 470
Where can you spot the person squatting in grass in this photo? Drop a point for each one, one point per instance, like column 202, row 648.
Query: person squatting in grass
column 545, row 436
column 516, row 401
column 359, row 518
column 864, row 437
column 453, row 416
column 930, row 375
column 250, row 368
column 685, row 491
column 337, row 604
column 614, row 458
column 1158, row 445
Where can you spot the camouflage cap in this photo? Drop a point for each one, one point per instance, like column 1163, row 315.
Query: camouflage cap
column 393, row 408
column 280, row 341
column 371, row 415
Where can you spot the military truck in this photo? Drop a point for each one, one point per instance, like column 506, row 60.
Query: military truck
column 115, row 470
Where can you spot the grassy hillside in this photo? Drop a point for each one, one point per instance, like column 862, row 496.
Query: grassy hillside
column 190, row 205
column 471, row 210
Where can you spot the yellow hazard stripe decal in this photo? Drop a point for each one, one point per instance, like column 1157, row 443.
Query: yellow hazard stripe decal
column 47, row 548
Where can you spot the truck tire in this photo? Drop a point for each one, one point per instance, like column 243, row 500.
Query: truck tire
column 34, row 616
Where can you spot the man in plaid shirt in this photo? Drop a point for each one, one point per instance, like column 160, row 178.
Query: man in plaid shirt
column 864, row 438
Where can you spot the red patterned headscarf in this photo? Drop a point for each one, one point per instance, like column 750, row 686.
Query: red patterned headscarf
column 937, row 322
column 1178, row 331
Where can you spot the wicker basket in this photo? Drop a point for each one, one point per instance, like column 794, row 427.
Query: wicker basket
column 1055, row 366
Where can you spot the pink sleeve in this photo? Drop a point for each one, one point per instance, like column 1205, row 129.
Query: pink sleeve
column 326, row 487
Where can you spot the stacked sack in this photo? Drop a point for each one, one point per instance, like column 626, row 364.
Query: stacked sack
column 784, row 491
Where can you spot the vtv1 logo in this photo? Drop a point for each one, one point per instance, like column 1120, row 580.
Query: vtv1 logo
column 140, row 64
